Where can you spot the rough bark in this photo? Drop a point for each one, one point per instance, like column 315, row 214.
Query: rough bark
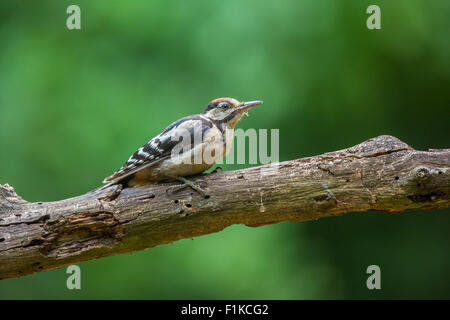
column 382, row 174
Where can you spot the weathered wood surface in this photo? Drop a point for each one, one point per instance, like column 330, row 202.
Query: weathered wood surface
column 380, row 174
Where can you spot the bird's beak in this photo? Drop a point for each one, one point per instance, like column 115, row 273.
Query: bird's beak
column 245, row 106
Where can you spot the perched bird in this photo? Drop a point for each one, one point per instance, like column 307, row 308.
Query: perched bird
column 205, row 138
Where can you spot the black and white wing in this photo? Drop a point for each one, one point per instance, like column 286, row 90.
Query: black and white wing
column 159, row 148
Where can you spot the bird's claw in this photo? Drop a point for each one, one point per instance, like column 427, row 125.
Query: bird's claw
column 187, row 183
column 216, row 169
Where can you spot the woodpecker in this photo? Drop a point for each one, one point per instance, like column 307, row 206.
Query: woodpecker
column 187, row 147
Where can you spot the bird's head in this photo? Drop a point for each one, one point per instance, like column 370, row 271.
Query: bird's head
column 228, row 111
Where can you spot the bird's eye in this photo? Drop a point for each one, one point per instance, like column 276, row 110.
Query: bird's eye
column 225, row 105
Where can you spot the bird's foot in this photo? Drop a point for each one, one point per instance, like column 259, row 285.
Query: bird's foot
column 187, row 183
column 217, row 169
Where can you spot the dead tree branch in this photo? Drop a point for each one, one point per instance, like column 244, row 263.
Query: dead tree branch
column 382, row 174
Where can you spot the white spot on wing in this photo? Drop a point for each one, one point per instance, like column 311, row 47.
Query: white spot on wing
column 142, row 153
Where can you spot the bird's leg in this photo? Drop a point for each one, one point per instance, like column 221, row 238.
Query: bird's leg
column 186, row 183
column 216, row 169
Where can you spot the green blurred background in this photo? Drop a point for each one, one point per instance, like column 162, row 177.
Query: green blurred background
column 75, row 104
